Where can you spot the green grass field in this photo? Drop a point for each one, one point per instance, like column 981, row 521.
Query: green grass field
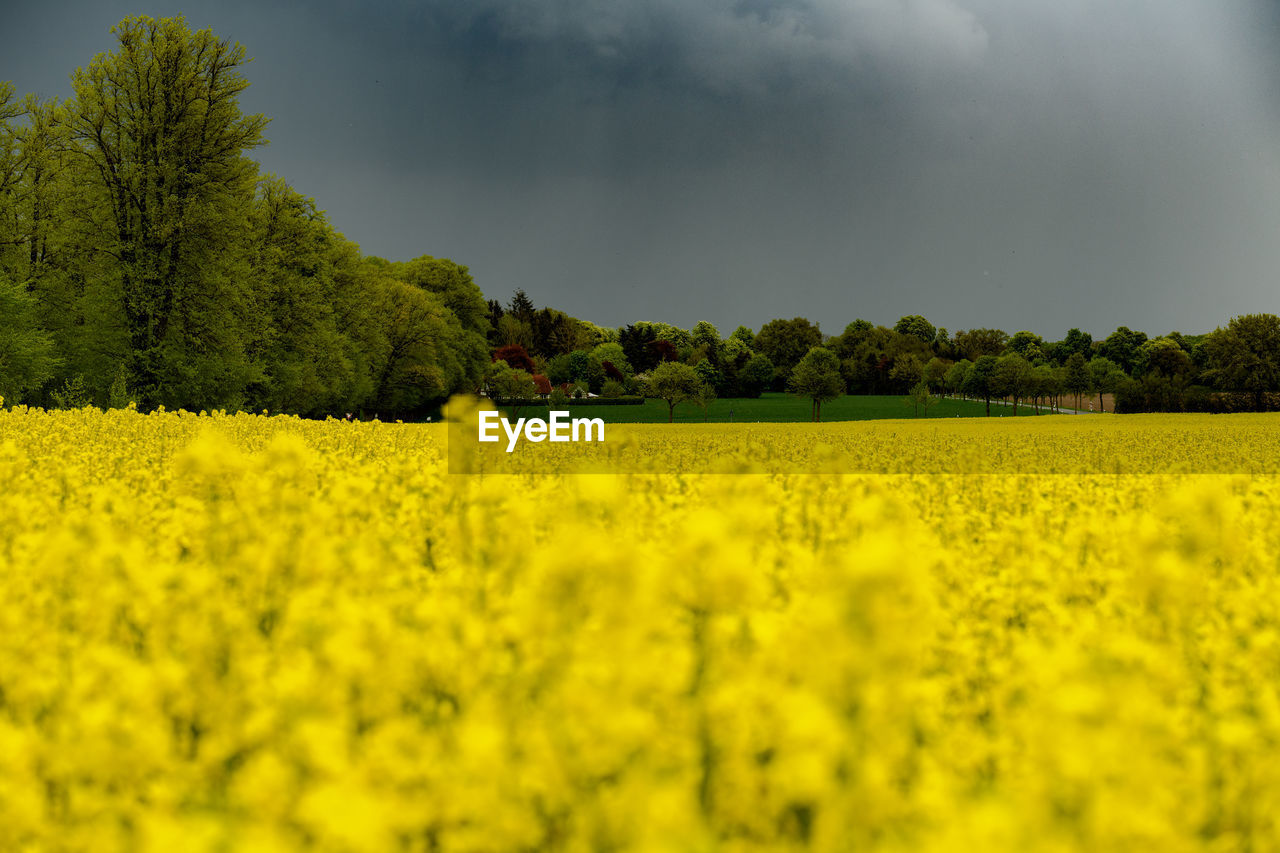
column 783, row 408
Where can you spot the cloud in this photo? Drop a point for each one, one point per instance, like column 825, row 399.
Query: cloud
column 1022, row 163
column 723, row 48
column 984, row 160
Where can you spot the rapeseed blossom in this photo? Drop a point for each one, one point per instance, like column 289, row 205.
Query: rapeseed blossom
column 237, row 632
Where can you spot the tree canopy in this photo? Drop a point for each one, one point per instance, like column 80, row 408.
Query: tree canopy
column 817, row 377
column 1245, row 355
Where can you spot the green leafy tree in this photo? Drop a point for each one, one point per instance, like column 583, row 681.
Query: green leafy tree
column 704, row 397
column 756, row 375
column 1106, row 378
column 35, row 189
column 734, row 351
column 169, row 189
column 1013, row 378
column 558, row 370
column 509, row 386
column 981, row 380
column 27, row 357
column 588, row 335
column 359, row 296
column 1163, row 357
column 1121, row 347
column 613, row 353
column 586, row 369
column 512, row 331
column 303, row 362
column 1077, row 378
column 907, row 370
column 956, row 376
column 975, row 343
column 817, row 377
column 786, row 342
column 917, row 327
column 920, row 397
column 521, row 307
column 675, row 382
column 708, row 372
column 1076, row 341
column 503, row 382
column 118, row 396
column 707, row 336
column 554, row 333
column 424, row 354
column 745, row 336
column 10, row 110
column 935, row 373
column 1026, row 344
column 1245, row 356
column 72, row 395
column 678, row 337
column 867, row 354
column 1046, row 384
column 854, row 335
column 451, row 282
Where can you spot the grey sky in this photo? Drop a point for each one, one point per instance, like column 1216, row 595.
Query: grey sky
column 1032, row 164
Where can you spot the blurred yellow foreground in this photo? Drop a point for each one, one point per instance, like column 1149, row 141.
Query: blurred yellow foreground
column 247, row 633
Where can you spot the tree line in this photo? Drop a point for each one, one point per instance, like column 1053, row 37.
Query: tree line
column 144, row 258
column 1233, row 368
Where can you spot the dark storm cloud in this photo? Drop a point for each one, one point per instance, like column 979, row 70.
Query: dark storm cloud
column 1027, row 164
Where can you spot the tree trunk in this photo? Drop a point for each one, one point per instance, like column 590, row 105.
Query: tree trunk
column 671, row 412
column 988, row 407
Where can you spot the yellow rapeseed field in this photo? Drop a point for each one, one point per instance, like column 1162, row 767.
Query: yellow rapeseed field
column 239, row 633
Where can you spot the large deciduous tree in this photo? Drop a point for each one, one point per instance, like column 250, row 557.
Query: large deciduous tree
column 817, row 377
column 975, row 343
column 424, row 353
column 1105, row 377
column 452, row 282
column 1013, row 378
column 1245, row 356
column 786, row 342
column 159, row 123
column 980, row 381
column 1077, row 379
column 956, row 375
column 1121, row 346
column 303, row 361
column 1076, row 341
column 917, row 327
column 756, row 375
column 674, row 382
column 1026, row 344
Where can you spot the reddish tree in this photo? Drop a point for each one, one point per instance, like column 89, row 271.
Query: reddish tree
column 665, row 350
column 613, row 372
column 543, row 383
column 515, row 356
